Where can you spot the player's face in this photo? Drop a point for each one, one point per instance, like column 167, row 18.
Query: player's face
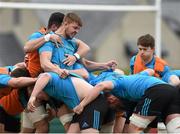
column 112, row 101
column 26, row 59
column 54, row 28
column 72, row 29
column 145, row 52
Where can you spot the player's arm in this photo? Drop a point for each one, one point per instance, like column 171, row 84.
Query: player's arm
column 34, row 44
column 45, row 55
column 148, row 71
column 131, row 64
column 93, row 66
column 106, row 85
column 171, row 78
column 45, row 61
column 81, row 72
column 82, row 50
column 119, row 123
column 21, row 82
column 165, row 71
column 48, row 66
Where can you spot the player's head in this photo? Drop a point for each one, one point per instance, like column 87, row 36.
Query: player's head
column 146, row 46
column 26, row 59
column 72, row 24
column 20, row 72
column 114, row 102
column 146, row 41
column 55, row 21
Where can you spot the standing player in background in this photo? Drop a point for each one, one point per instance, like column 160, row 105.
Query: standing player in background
column 146, row 58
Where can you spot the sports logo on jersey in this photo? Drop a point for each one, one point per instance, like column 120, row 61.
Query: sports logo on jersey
column 85, row 125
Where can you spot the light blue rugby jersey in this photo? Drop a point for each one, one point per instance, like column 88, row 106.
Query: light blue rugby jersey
column 58, row 54
column 176, row 72
column 168, row 74
column 91, row 77
column 35, row 35
column 130, row 87
column 62, row 90
column 10, row 68
column 4, row 79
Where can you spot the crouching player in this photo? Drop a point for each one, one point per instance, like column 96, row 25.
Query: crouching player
column 154, row 98
column 71, row 91
column 11, row 104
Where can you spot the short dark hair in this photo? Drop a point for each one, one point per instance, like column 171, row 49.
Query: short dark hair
column 20, row 72
column 55, row 18
column 146, row 41
column 72, row 17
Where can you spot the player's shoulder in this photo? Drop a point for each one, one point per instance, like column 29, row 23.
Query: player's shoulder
column 132, row 60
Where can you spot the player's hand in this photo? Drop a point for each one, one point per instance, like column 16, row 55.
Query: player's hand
column 30, row 106
column 56, row 39
column 70, row 60
column 112, row 64
column 78, row 109
column 63, row 73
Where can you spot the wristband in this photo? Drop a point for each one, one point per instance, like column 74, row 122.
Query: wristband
column 47, row 37
column 77, row 56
